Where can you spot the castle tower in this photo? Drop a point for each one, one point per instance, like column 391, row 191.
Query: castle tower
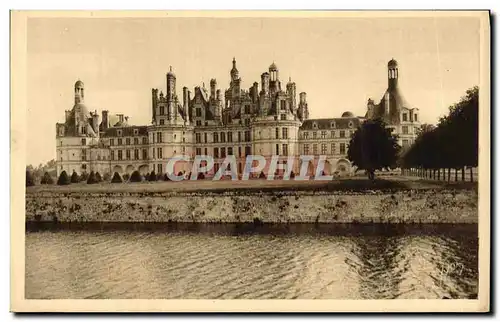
column 154, row 102
column 265, row 83
column 79, row 92
column 303, row 108
column 392, row 73
column 274, row 78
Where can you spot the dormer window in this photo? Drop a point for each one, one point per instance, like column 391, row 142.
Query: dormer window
column 332, row 125
column 315, row 125
column 350, row 124
column 119, row 132
column 136, row 131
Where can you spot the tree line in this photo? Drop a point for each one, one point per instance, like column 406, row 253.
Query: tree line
column 452, row 144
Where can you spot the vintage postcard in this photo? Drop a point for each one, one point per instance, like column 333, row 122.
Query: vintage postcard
column 188, row 161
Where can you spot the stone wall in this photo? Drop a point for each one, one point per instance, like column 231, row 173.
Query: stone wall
column 417, row 206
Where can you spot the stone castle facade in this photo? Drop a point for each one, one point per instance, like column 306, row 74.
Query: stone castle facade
column 266, row 120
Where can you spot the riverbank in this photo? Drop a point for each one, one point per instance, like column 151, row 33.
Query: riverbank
column 397, row 200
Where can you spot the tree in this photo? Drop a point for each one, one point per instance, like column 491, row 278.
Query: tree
column 152, row 176
column 91, row 178
column 98, row 177
column 47, row 179
column 84, row 176
column 63, row 179
column 74, row 177
column 29, row 179
column 106, row 177
column 136, row 177
column 116, row 178
column 373, row 147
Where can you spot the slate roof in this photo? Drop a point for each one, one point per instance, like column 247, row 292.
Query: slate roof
column 326, row 124
column 126, row 131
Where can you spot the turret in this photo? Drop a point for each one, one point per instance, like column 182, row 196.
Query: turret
column 170, row 85
column 255, row 92
column 67, row 115
column 154, row 102
column 392, row 73
column 370, row 108
column 265, row 82
column 234, row 71
column 291, row 92
column 185, row 97
column 213, row 85
column 303, row 109
column 95, row 122
column 79, row 92
column 105, row 120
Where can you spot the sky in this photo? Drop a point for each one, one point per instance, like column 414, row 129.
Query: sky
column 338, row 62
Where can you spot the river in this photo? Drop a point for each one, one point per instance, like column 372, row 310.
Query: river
column 208, row 263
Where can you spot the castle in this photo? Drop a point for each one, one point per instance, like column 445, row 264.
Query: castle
column 266, row 122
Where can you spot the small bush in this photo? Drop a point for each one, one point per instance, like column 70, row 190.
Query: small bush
column 106, row 177
column 201, row 176
column 74, row 177
column 63, row 179
column 47, row 179
column 262, row 175
column 116, row 178
column 84, row 176
column 152, row 176
column 98, row 177
column 135, row 177
column 29, row 179
column 91, row 178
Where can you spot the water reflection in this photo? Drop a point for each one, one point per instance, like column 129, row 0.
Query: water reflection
column 210, row 265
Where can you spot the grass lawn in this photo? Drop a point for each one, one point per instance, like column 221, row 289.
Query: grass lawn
column 358, row 184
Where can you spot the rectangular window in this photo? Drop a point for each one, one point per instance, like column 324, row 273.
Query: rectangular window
column 160, row 153
column 229, row 136
column 136, row 141
column 222, row 152
column 159, row 136
column 247, row 122
column 342, row 134
column 160, row 168
column 285, row 149
column 285, row 132
column 84, row 155
column 332, row 134
column 144, row 140
column 222, row 137
column 405, row 129
column 206, row 151
column 277, row 149
column 333, row 148
column 127, row 153
column 198, row 151
column 198, row 137
column 239, row 136
column 283, row 117
column 154, row 155
column 216, row 153
column 315, row 135
column 405, row 117
column 306, row 135
column 120, row 155
column 198, row 112
column 324, row 149
column 127, row 140
column 144, row 154
column 216, row 137
column 120, row 141
column 277, row 133
column 239, row 151
column 136, row 154
column 248, row 150
column 162, row 110
column 205, row 136
column 84, row 142
column 315, row 149
column 111, row 142
column 283, row 105
column 198, row 123
column 416, row 117
column 216, row 167
column 247, row 109
column 342, row 148
column 323, row 134
column 247, row 136
column 229, row 151
column 112, row 155
column 162, row 122
column 405, row 143
column 306, row 149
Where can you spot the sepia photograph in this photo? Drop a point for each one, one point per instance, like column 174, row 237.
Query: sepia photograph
column 285, row 156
